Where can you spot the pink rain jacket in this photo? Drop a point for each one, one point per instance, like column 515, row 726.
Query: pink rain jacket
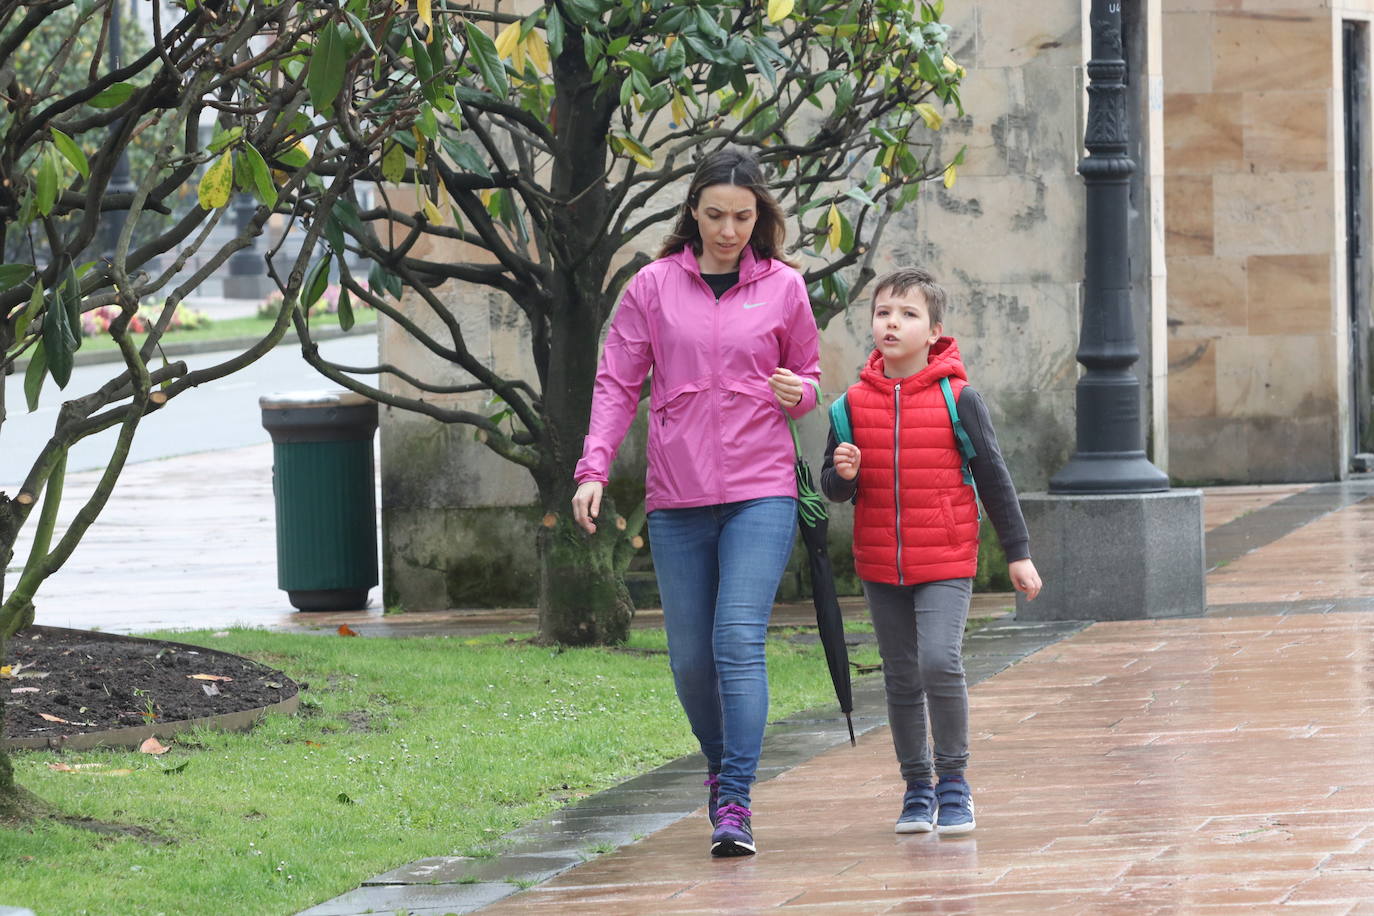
column 717, row 433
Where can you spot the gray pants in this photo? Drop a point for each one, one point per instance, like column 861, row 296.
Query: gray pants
column 920, row 630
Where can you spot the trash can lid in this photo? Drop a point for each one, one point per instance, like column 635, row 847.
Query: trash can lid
column 299, row 399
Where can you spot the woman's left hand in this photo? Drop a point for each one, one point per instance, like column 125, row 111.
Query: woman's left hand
column 787, row 386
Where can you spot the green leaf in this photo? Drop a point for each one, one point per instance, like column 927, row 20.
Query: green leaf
column 33, row 376
column 11, row 275
column 394, row 162
column 47, row 182
column 224, row 138
column 217, row 182
column 380, row 280
column 70, row 293
column 345, row 309
column 427, row 122
column 553, row 28
column 112, row 96
column 488, row 61
column 30, row 313
column 260, row 174
column 58, row 341
column 465, row 156
column 67, row 146
column 295, row 157
column 325, row 78
column 316, row 282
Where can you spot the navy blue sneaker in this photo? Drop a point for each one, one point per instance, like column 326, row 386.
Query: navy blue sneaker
column 955, row 799
column 918, row 809
column 713, row 801
column 733, row 835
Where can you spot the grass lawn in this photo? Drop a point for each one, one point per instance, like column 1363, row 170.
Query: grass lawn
column 404, row 748
column 228, row 328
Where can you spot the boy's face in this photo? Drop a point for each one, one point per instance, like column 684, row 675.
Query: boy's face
column 901, row 326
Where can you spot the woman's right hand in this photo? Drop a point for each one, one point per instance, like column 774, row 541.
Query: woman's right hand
column 586, row 504
column 846, row 460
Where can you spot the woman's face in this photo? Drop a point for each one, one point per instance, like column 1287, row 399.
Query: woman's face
column 725, row 215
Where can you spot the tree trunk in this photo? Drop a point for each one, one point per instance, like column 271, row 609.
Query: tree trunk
column 583, row 600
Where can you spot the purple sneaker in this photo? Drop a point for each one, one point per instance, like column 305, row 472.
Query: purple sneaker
column 733, row 835
column 713, row 802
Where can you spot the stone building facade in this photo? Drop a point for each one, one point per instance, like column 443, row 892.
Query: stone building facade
column 1266, row 155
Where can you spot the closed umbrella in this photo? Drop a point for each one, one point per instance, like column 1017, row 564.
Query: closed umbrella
column 814, row 522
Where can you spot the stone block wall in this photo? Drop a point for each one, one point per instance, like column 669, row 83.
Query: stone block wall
column 1255, row 240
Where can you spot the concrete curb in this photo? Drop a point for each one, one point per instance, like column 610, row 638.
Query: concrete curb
column 625, row 813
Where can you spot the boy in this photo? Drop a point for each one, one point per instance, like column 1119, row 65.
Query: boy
column 916, row 535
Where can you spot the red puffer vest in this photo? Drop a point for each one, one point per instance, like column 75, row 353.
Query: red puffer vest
column 919, row 524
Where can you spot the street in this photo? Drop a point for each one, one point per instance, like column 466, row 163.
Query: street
column 221, row 415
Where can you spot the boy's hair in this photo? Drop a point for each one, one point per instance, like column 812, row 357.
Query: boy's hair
column 904, row 279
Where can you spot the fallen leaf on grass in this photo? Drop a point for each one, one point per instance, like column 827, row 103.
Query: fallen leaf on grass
column 210, row 677
column 168, row 771
column 346, row 630
column 345, row 800
column 153, row 746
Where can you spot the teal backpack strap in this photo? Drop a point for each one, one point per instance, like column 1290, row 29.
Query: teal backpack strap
column 839, row 419
column 965, row 444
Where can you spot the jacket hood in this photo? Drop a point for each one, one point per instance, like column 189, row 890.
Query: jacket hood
column 943, row 361
column 751, row 266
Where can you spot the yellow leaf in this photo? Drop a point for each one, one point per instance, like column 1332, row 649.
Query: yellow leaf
column 934, row 120
column 486, row 195
column 636, row 152
column 421, row 147
column 394, row 162
column 889, row 156
column 427, row 17
column 508, row 40
column 679, row 109
column 832, row 219
column 217, row 182
column 949, row 175
column 432, row 212
column 950, row 65
column 778, row 10
column 5, row 670
column 538, row 50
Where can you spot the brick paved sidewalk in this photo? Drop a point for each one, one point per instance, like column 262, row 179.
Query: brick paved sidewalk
column 1183, row 766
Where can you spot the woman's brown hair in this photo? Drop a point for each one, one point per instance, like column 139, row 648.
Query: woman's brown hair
column 733, row 166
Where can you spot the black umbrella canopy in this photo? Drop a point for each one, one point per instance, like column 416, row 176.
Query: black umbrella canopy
column 814, row 523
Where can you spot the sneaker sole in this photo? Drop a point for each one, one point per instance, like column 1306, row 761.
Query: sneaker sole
column 955, row 829
column 729, row 848
column 912, row 827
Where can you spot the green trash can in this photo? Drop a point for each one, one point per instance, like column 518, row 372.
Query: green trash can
column 323, row 482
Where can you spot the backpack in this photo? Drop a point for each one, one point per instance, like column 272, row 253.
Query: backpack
column 839, row 422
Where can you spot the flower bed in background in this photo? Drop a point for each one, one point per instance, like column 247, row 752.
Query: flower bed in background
column 97, row 321
column 328, row 304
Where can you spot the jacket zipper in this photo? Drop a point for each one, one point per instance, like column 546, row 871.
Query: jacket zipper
column 717, row 395
column 897, row 473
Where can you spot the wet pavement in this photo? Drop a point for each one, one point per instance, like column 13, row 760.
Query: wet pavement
column 1215, row 764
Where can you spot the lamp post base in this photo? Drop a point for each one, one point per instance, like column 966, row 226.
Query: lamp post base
column 1109, row 472
column 1116, row 557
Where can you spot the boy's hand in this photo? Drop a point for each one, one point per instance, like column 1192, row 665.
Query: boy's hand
column 847, row 461
column 787, row 387
column 1024, row 578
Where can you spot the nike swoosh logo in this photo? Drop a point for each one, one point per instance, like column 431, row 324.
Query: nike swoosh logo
column 754, row 305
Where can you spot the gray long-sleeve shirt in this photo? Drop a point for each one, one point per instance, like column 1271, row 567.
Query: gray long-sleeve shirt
column 990, row 473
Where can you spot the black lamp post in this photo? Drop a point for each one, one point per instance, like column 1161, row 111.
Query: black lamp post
column 1110, row 457
column 121, row 181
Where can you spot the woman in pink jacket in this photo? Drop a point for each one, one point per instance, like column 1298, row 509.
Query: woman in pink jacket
column 726, row 326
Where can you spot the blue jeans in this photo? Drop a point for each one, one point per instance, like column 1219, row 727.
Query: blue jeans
column 718, row 571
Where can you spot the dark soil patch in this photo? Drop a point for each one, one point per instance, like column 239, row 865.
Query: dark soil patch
column 100, row 681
